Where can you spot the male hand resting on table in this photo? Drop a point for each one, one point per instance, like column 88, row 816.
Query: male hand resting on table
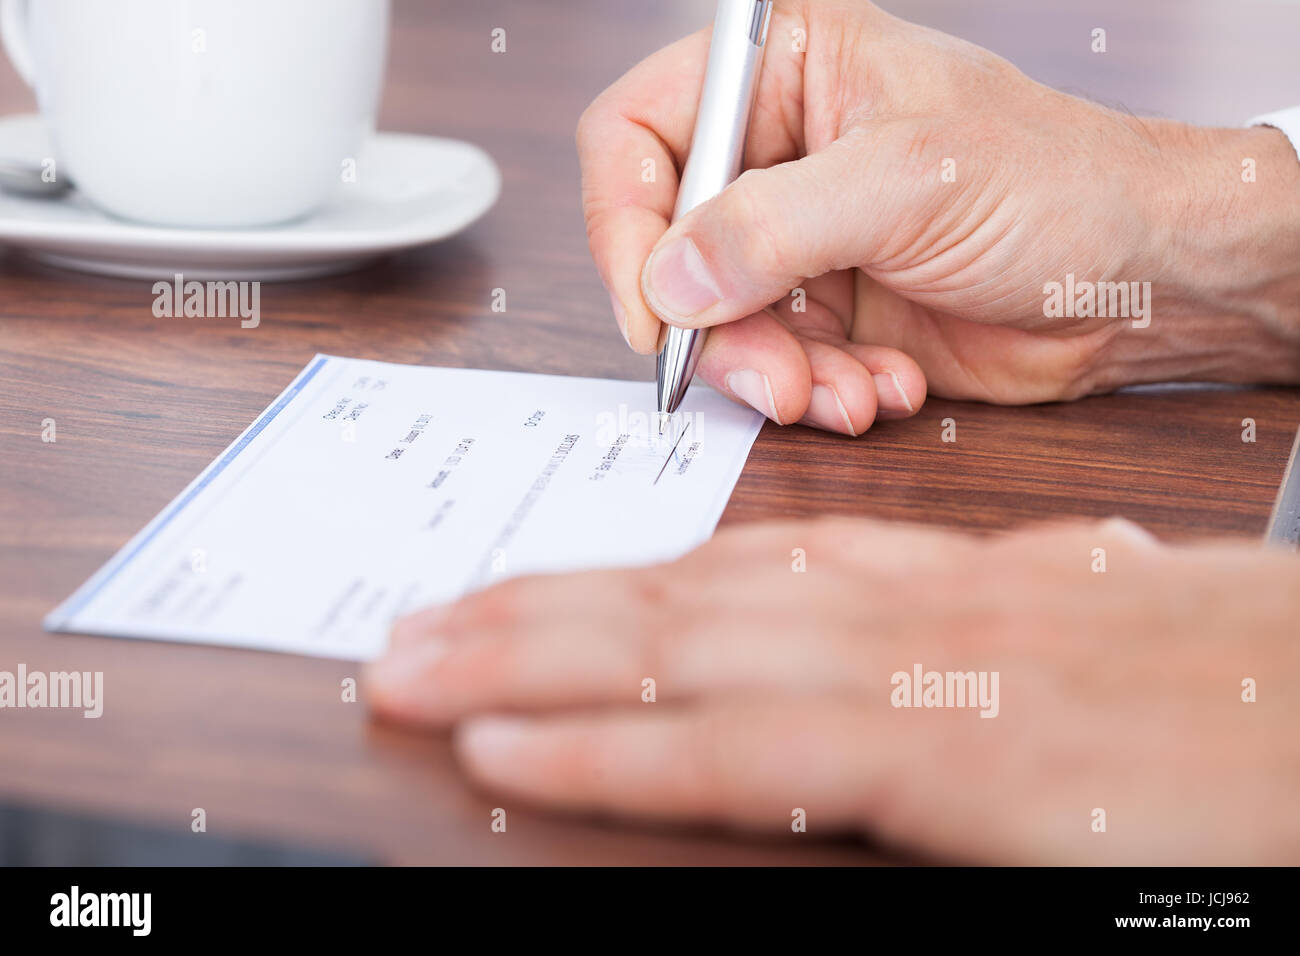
column 1120, row 691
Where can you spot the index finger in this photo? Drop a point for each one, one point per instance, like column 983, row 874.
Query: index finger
column 632, row 143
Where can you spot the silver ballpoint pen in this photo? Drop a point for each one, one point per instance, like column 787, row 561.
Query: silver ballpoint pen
column 1284, row 525
column 717, row 152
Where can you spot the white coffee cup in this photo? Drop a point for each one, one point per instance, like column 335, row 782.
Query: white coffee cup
column 202, row 113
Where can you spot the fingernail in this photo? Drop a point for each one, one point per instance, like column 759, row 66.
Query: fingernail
column 1129, row 530
column 890, row 396
column 754, row 389
column 677, row 283
column 620, row 316
column 827, row 411
column 403, row 667
column 493, row 740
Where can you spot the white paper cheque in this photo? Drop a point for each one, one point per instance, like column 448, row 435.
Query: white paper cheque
column 367, row 490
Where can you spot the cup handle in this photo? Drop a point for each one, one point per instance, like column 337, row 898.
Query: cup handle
column 13, row 31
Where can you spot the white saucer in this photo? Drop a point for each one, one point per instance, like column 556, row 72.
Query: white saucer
column 410, row 190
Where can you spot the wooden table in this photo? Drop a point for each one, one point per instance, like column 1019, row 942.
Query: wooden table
column 262, row 741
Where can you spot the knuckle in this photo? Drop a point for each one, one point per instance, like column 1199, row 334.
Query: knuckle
column 588, row 123
column 649, row 587
column 711, row 760
column 660, row 643
column 831, row 534
column 501, row 606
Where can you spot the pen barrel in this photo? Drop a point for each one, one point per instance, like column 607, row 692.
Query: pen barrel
column 717, row 155
column 726, row 102
column 1284, row 524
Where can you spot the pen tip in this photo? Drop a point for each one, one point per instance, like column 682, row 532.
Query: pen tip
column 667, row 424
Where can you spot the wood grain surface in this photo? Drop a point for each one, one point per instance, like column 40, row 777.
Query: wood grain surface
column 261, row 741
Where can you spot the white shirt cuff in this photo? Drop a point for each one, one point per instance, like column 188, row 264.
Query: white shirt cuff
column 1288, row 121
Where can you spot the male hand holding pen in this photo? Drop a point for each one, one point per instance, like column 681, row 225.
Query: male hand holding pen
column 921, row 193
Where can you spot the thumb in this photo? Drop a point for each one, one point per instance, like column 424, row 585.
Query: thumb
column 759, row 238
